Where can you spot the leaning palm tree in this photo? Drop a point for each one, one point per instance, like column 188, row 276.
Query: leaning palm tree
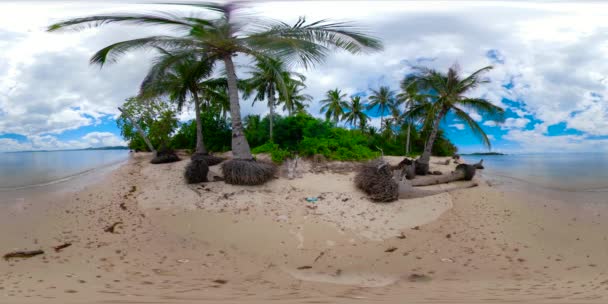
column 446, row 93
column 225, row 36
column 383, row 100
column 333, row 105
column 178, row 76
column 295, row 101
column 269, row 77
column 356, row 113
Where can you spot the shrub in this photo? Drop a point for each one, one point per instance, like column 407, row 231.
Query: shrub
column 277, row 154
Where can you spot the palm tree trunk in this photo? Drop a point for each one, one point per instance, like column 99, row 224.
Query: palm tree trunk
column 271, row 106
column 240, row 146
column 200, row 144
column 407, row 140
column 426, row 155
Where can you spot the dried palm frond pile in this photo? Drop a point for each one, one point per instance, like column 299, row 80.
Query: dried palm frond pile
column 376, row 179
column 248, row 172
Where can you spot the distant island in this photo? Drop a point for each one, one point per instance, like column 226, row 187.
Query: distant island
column 484, row 153
column 83, row 149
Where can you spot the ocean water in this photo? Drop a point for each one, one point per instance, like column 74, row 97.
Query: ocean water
column 22, row 170
column 559, row 171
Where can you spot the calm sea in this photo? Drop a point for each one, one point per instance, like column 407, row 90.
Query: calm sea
column 22, row 170
column 567, row 171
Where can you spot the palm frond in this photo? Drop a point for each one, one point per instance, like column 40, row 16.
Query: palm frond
column 475, row 128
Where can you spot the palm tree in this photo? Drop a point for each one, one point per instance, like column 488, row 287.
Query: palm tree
column 446, row 94
column 356, row 113
column 269, row 76
column 295, row 101
column 383, row 100
column 224, row 37
column 178, row 76
column 333, row 105
column 410, row 97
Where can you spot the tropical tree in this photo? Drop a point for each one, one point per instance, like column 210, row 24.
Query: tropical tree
column 333, row 105
column 225, row 36
column 269, row 76
column 356, row 113
column 446, row 94
column 178, row 76
column 383, row 100
column 295, row 101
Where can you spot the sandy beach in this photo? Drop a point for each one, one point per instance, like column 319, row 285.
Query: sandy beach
column 214, row 242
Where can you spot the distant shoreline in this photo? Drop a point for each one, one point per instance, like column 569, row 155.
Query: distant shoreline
column 85, row 149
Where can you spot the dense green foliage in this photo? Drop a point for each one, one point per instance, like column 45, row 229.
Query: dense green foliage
column 216, row 133
column 156, row 118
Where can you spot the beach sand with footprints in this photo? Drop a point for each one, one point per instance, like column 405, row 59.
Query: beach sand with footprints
column 141, row 235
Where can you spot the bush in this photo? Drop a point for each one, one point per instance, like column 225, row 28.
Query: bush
column 277, row 154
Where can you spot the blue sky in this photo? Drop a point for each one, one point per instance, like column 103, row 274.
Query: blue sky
column 550, row 66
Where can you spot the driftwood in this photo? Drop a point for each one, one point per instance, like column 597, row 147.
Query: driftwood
column 376, row 179
column 479, row 165
column 62, row 246
column 407, row 191
column 22, row 254
column 462, row 172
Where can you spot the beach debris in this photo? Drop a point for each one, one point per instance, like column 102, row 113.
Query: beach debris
column 312, row 207
column 415, row 277
column 401, row 236
column 197, row 171
column 210, row 159
column 479, row 165
column 62, row 246
column 248, row 172
column 448, row 236
column 447, row 260
column 391, row 249
column 416, row 228
column 375, row 178
column 319, row 256
column 304, row 267
column 123, row 206
column 183, row 261
column 165, row 155
column 22, row 254
column 437, row 173
column 112, row 228
column 463, row 172
column 312, row 199
column 220, row 281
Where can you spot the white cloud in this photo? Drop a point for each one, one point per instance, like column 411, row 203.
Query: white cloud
column 514, row 123
column 458, row 126
column 50, row 142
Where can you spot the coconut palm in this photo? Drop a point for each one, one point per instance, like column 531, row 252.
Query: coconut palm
column 225, row 36
column 383, row 100
column 295, row 101
column 446, row 94
column 356, row 112
column 178, row 76
column 269, row 76
column 333, row 105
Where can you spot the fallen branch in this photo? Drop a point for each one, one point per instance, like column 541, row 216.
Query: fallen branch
column 22, row 254
column 462, row 172
column 407, row 191
column 62, row 246
column 479, row 165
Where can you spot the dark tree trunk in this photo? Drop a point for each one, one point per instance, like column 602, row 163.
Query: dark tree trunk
column 462, row 172
column 271, row 106
column 422, row 165
column 200, row 144
column 240, row 146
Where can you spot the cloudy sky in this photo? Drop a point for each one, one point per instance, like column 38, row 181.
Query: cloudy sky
column 550, row 59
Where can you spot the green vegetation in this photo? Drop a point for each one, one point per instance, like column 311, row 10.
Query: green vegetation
column 156, row 118
column 186, row 69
